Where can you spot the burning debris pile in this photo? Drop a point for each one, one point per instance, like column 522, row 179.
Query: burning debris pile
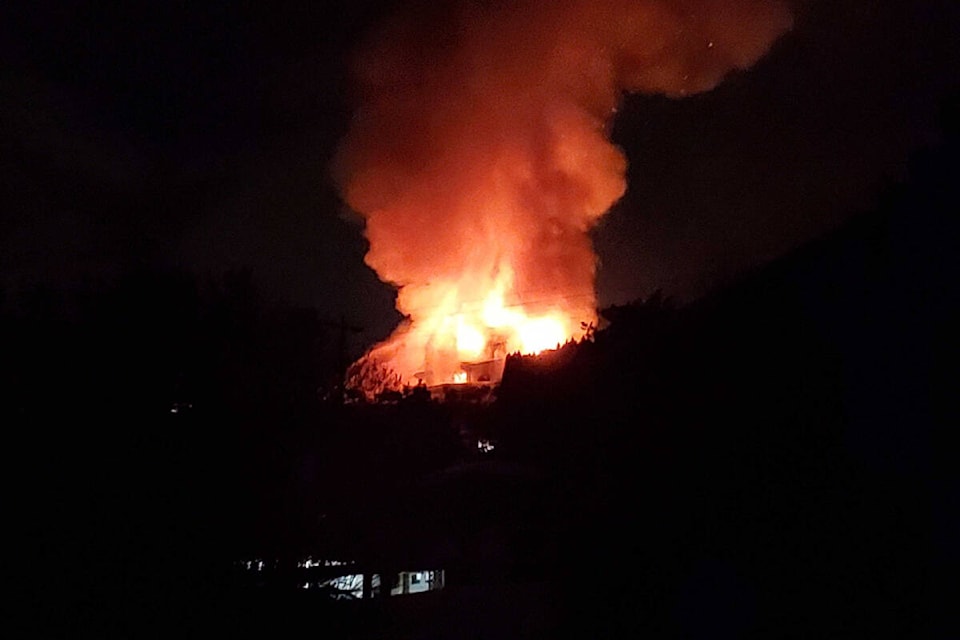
column 479, row 160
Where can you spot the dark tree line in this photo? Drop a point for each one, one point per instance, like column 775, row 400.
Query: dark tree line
column 769, row 461
column 152, row 419
column 772, row 460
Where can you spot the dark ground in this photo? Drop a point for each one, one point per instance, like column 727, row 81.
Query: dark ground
column 771, row 461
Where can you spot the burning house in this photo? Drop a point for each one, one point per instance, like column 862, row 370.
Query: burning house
column 479, row 160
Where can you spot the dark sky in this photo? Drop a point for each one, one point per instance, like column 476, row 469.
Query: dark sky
column 198, row 135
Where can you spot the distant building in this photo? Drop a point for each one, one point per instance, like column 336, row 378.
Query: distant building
column 486, row 371
column 416, row 582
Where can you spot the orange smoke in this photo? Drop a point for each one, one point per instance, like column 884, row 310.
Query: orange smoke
column 479, row 160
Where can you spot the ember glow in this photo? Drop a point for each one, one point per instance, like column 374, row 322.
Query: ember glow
column 439, row 346
column 479, row 160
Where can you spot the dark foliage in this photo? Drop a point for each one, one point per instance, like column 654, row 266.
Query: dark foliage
column 771, row 461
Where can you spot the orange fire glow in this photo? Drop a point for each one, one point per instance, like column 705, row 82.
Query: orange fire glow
column 456, row 325
column 479, row 161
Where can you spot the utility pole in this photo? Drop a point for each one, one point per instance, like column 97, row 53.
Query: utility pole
column 343, row 330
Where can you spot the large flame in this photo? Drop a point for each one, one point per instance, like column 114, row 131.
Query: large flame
column 472, row 320
column 479, row 160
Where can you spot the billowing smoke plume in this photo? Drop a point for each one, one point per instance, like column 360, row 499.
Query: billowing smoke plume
column 478, row 155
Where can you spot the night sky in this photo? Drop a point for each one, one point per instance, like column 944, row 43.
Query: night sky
column 198, row 136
